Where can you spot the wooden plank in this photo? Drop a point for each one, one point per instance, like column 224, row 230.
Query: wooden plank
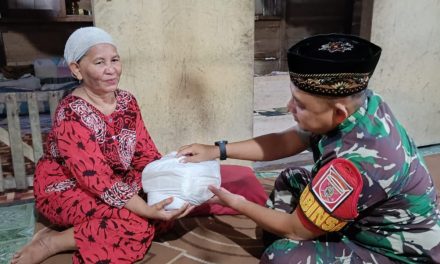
column 2, row 180
column 54, row 97
column 4, row 136
column 282, row 66
column 27, row 150
column 2, row 51
column 22, row 96
column 267, row 39
column 34, row 118
column 348, row 16
column 16, row 142
column 366, row 18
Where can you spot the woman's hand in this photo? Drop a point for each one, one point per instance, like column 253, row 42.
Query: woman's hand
column 225, row 197
column 157, row 211
column 198, row 152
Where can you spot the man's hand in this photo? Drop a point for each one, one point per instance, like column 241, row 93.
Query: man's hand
column 157, row 211
column 198, row 152
column 225, row 197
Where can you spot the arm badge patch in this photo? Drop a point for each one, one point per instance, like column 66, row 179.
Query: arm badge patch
column 331, row 189
column 330, row 201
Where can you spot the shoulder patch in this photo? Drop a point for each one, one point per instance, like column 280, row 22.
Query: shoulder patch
column 330, row 200
column 331, row 189
column 313, row 215
column 337, row 186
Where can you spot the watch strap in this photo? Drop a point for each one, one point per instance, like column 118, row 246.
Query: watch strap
column 222, row 146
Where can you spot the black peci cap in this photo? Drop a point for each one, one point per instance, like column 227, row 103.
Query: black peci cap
column 332, row 64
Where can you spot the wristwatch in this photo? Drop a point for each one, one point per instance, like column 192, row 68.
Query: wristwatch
column 222, row 146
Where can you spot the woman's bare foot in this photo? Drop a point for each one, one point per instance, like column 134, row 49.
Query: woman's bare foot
column 42, row 232
column 36, row 251
column 45, row 243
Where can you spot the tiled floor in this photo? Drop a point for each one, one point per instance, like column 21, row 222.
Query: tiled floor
column 16, row 228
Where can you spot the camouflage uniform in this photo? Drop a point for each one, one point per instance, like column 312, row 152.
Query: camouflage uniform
column 398, row 219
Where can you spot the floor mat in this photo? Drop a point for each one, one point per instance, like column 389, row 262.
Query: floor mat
column 16, row 228
column 216, row 239
column 202, row 240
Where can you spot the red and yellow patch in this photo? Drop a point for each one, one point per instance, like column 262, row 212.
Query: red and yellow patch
column 331, row 189
column 315, row 213
column 331, row 200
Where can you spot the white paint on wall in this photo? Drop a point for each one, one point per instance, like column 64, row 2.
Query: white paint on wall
column 189, row 63
column 408, row 73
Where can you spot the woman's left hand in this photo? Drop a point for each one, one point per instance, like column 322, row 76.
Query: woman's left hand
column 157, row 211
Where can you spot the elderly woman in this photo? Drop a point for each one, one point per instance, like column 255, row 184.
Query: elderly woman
column 89, row 178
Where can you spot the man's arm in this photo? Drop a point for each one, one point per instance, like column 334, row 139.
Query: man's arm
column 277, row 222
column 267, row 147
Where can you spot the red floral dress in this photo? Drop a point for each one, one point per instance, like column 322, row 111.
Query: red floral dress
column 91, row 167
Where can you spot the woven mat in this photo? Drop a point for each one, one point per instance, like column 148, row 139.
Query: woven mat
column 215, row 239
column 211, row 239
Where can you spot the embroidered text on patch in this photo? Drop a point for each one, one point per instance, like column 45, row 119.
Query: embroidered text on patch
column 332, row 189
column 316, row 214
column 337, row 46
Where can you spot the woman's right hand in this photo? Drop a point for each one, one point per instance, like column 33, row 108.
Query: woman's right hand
column 157, row 211
column 198, row 152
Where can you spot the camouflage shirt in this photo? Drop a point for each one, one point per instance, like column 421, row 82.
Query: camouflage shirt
column 397, row 209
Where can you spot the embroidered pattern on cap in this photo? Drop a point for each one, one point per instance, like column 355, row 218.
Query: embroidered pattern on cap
column 333, row 84
column 337, row 46
column 332, row 189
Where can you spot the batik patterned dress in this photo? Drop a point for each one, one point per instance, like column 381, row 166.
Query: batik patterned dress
column 91, row 167
column 397, row 217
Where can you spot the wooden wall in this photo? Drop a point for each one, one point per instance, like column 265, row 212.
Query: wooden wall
column 291, row 21
column 300, row 19
column 28, row 34
column 23, row 44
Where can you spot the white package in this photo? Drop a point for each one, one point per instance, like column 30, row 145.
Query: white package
column 186, row 182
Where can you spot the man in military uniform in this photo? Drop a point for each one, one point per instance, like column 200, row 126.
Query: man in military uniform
column 369, row 197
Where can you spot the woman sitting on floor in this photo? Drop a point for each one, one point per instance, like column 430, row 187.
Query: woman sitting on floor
column 89, row 178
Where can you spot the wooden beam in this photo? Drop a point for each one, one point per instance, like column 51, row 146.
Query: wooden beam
column 54, row 97
column 348, row 16
column 366, row 18
column 16, row 142
column 28, row 151
column 2, row 180
column 34, row 119
column 2, row 51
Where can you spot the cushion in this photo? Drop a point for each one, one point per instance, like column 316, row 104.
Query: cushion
column 239, row 180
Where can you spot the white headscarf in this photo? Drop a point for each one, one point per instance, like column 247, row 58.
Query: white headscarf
column 82, row 40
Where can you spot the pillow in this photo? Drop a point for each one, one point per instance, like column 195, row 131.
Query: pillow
column 239, row 180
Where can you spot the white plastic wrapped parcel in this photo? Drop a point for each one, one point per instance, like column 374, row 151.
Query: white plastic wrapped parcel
column 186, row 182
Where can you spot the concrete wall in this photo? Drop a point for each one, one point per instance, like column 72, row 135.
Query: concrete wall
column 189, row 63
column 408, row 73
